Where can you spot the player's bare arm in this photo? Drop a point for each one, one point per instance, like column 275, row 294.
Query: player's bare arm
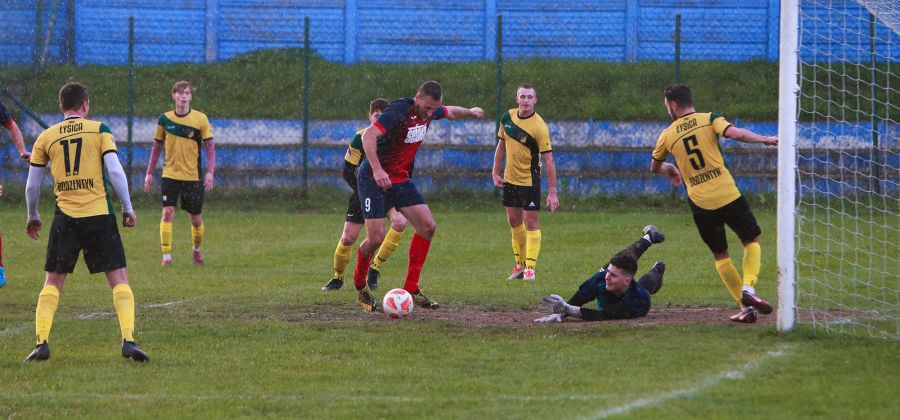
column 671, row 171
column 210, row 164
column 457, row 112
column 747, row 136
column 370, row 145
column 552, row 199
column 18, row 140
column 499, row 155
column 155, row 151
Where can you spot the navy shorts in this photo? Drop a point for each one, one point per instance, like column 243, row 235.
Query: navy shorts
column 375, row 202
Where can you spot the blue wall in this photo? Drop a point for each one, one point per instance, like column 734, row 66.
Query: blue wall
column 348, row 31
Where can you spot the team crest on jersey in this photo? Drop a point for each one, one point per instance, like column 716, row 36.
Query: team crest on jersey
column 416, row 134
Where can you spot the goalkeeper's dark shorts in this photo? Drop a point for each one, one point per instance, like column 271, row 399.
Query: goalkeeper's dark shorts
column 711, row 223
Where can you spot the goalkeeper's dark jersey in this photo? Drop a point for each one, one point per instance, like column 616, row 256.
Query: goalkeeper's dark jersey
column 635, row 303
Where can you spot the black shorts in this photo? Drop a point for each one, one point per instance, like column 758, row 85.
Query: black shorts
column 98, row 236
column 528, row 198
column 711, row 223
column 191, row 193
column 354, row 211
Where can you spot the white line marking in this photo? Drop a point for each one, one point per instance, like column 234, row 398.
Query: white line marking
column 95, row 315
column 699, row 386
column 12, row 330
column 106, row 314
column 160, row 305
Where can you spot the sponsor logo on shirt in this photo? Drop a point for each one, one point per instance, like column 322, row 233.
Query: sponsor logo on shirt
column 416, row 134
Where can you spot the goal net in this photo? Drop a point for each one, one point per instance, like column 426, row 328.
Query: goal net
column 846, row 169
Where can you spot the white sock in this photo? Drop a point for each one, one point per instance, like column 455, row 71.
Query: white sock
column 749, row 289
column 195, row 249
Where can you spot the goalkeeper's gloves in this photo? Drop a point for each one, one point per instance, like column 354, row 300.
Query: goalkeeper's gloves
column 557, row 305
column 549, row 319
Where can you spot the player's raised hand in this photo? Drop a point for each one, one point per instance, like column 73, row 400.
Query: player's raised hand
column 33, row 228
column 208, row 181
column 552, row 202
column 498, row 181
column 382, row 179
column 771, row 141
column 129, row 219
column 477, row 112
column 148, row 182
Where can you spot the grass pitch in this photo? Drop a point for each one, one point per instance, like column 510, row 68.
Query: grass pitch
column 251, row 335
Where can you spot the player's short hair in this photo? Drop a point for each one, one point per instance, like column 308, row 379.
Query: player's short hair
column 432, row 89
column 72, row 96
column 181, row 85
column 379, row 104
column 527, row 86
column 626, row 262
column 680, row 94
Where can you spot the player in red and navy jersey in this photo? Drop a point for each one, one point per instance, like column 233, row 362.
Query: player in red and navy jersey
column 9, row 124
column 390, row 144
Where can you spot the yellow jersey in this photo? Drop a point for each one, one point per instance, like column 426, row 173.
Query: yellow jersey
column 693, row 140
column 74, row 149
column 525, row 139
column 183, row 136
column 355, row 152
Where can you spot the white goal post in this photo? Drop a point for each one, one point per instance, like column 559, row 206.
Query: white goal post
column 838, row 257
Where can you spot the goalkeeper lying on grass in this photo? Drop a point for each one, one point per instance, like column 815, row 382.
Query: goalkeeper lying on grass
column 618, row 296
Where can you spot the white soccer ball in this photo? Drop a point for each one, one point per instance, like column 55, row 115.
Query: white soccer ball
column 397, row 303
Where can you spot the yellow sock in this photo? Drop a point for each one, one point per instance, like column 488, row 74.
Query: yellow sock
column 752, row 256
column 341, row 259
column 165, row 236
column 533, row 249
column 391, row 242
column 197, row 235
column 519, row 241
column 730, row 277
column 123, row 300
column 48, row 301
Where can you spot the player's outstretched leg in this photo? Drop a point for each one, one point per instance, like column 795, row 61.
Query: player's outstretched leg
column 40, row 352
column 653, row 280
column 130, row 350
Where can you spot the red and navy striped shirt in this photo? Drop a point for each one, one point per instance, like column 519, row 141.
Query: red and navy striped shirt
column 402, row 132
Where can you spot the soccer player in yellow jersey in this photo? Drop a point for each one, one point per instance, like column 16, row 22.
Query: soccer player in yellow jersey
column 184, row 132
column 82, row 157
column 523, row 139
column 354, row 221
column 693, row 140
